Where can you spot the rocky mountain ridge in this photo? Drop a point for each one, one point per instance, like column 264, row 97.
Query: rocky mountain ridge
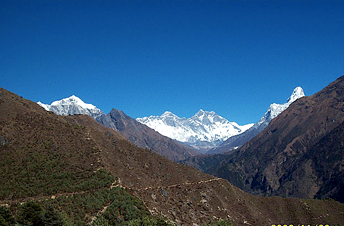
column 203, row 131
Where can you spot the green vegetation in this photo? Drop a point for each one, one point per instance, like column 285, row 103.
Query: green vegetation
column 56, row 177
column 104, row 207
column 42, row 170
column 31, row 213
column 5, row 216
column 76, row 126
column 220, row 223
column 48, row 178
column 54, row 189
column 127, row 210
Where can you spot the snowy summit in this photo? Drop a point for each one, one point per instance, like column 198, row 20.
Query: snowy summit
column 276, row 109
column 72, row 105
column 202, row 131
column 273, row 111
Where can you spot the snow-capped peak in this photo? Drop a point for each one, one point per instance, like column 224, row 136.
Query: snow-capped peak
column 297, row 93
column 168, row 114
column 73, row 100
column 71, row 106
column 203, row 130
column 45, row 106
column 202, row 113
column 273, row 111
column 276, row 109
column 208, row 117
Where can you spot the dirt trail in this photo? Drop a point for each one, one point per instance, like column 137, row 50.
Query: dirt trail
column 99, row 213
column 47, row 197
column 177, row 185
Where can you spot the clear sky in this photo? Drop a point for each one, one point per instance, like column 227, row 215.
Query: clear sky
column 145, row 57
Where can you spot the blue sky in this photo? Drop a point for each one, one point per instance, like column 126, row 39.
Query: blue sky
column 233, row 57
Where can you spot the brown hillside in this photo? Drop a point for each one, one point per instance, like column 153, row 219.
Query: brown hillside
column 45, row 155
column 287, row 159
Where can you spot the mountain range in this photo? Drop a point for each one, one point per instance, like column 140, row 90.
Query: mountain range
column 72, row 169
column 263, row 165
column 139, row 134
column 202, row 131
column 273, row 111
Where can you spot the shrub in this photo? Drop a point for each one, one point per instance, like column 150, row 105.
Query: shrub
column 6, row 217
column 30, row 214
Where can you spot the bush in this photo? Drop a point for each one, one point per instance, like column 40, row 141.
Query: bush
column 30, row 214
column 220, row 223
column 52, row 217
column 6, row 217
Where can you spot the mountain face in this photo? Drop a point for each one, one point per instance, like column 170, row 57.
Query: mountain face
column 139, row 134
column 72, row 106
column 202, row 131
column 90, row 173
column 145, row 137
column 299, row 154
column 273, row 111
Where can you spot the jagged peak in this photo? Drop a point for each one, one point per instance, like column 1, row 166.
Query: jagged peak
column 275, row 109
column 202, row 112
column 199, row 113
column 297, row 93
